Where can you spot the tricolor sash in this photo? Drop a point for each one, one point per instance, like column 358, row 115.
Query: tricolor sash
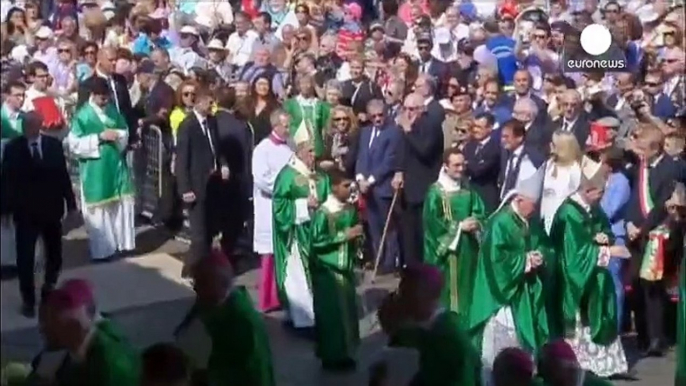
column 645, row 200
column 653, row 264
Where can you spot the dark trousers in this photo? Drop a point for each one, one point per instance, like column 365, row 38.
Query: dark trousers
column 411, row 233
column 650, row 311
column 27, row 232
column 202, row 231
column 377, row 212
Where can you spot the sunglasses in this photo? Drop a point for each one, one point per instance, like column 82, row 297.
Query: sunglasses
column 302, row 38
column 340, row 119
column 540, row 37
column 671, row 60
column 669, row 33
column 652, row 84
column 188, row 94
column 63, row 50
column 185, row 36
column 89, row 52
column 378, row 115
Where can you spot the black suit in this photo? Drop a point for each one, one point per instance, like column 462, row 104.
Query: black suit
column 483, row 168
column 197, row 171
column 650, row 306
column 581, row 128
column 123, row 101
column 35, row 192
column 539, row 135
column 357, row 96
column 419, row 158
column 235, row 146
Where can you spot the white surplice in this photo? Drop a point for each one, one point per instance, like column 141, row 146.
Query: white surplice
column 111, row 227
column 267, row 161
column 559, row 182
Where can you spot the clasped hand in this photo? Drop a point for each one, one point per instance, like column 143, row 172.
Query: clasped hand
column 469, row 224
column 602, row 239
column 109, row 135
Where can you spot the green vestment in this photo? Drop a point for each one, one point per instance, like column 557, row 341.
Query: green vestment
column 446, row 356
column 240, row 354
column 11, row 128
column 583, row 286
column 312, row 118
column 501, row 280
column 292, row 184
column 333, row 282
column 681, row 331
column 110, row 361
column 107, row 178
column 443, row 211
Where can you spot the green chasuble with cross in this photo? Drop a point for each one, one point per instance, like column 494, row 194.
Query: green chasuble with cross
column 105, row 176
column 308, row 119
column 11, row 127
column 449, row 248
column 583, row 286
column 333, row 281
column 241, row 354
column 502, row 281
column 109, row 360
column 681, row 330
column 291, row 221
column 446, row 355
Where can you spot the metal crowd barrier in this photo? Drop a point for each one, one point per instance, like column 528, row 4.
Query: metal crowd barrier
column 148, row 166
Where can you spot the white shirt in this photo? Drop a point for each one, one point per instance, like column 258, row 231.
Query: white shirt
column 113, row 87
column 203, row 125
column 567, row 125
column 30, row 95
column 240, row 47
column 213, row 13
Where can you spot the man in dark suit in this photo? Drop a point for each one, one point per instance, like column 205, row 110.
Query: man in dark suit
column 376, row 165
column 652, row 185
column 515, row 156
column 359, row 90
column 107, row 58
column 429, row 65
column 539, row 131
column 36, row 189
column 522, row 89
column 482, row 153
column 420, row 161
column 425, row 85
column 235, row 146
column 200, row 168
column 574, row 119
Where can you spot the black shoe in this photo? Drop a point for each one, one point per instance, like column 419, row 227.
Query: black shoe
column 656, row 349
column 28, row 311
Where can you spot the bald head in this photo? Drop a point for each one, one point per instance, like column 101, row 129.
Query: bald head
column 107, row 59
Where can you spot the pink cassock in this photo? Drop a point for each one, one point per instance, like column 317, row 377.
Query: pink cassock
column 268, row 295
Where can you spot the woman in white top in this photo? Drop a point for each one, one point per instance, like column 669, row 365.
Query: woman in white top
column 562, row 174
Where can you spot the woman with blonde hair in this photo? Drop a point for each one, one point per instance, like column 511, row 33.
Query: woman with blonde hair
column 341, row 137
column 562, row 174
column 185, row 99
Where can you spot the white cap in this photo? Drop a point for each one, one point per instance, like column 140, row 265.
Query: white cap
column 530, row 181
column 19, row 53
column 442, row 35
column 216, row 44
column 44, row 33
column 189, row 30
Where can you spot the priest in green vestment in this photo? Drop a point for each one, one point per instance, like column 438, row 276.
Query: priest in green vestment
column 453, row 213
column 413, row 317
column 582, row 238
column 96, row 356
column 510, row 308
column 99, row 138
column 309, row 115
column 336, row 233
column 238, row 353
column 298, row 191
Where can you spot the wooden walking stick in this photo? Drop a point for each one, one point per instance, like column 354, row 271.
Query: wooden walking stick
column 379, row 253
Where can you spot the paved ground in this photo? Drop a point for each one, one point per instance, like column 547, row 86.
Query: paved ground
column 151, row 318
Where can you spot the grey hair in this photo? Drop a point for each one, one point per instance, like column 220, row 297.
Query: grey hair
column 430, row 82
column 529, row 104
column 375, row 104
column 275, row 117
column 333, row 84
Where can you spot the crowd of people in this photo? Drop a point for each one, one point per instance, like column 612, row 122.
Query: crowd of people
column 534, row 214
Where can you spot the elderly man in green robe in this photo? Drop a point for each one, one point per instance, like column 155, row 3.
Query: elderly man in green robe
column 452, row 217
column 98, row 138
column 336, row 232
column 414, row 318
column 223, row 319
column 298, row 191
column 582, row 239
column 510, row 309
column 97, row 355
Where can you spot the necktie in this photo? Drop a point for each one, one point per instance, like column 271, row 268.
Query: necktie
column 510, row 175
column 35, row 153
column 206, row 131
column 113, row 86
column 375, row 132
column 478, row 148
column 565, row 126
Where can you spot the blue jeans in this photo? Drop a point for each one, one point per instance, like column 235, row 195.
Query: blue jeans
column 615, row 268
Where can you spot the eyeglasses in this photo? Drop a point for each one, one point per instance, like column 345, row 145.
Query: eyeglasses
column 188, row 94
column 340, row 119
column 63, row 50
column 89, row 52
column 540, row 36
column 302, row 38
column 671, row 60
column 669, row 33
column 378, row 115
column 652, row 84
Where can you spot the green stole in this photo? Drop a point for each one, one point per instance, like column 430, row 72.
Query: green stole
column 293, row 182
column 501, row 280
column 241, row 355
column 444, row 209
column 110, row 361
column 446, row 355
column 333, row 281
column 307, row 122
column 681, row 330
column 107, row 178
column 584, row 287
column 11, row 128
